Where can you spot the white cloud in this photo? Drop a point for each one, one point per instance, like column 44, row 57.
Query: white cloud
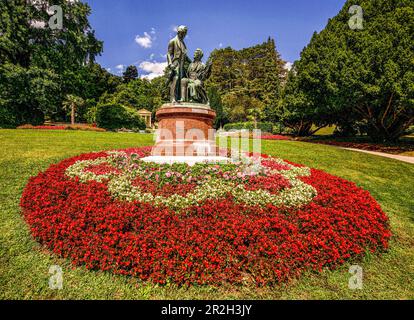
column 152, row 56
column 147, row 39
column 120, row 68
column 289, row 66
column 221, row 45
column 152, row 68
column 174, row 28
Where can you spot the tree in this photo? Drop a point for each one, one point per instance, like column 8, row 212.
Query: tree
column 297, row 110
column 252, row 75
column 217, row 105
column 72, row 103
column 361, row 78
column 131, row 73
column 38, row 62
column 89, row 82
column 115, row 116
column 26, row 94
column 239, row 107
column 137, row 94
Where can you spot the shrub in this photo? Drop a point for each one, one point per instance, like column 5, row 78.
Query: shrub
column 410, row 131
column 263, row 126
column 7, row 118
column 113, row 117
column 31, row 127
column 62, row 127
column 90, row 115
column 84, row 128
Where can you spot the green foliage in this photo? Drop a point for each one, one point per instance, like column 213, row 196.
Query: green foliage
column 40, row 66
column 248, row 81
column 263, row 126
column 217, row 105
column 26, row 94
column 71, row 104
column 358, row 77
column 90, row 115
column 241, row 107
column 131, row 73
column 115, row 116
column 90, row 81
column 137, row 94
column 296, row 109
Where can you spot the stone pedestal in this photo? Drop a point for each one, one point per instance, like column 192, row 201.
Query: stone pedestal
column 185, row 129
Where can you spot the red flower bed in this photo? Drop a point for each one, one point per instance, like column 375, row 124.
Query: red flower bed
column 274, row 137
column 165, row 189
column 272, row 184
column 103, row 168
column 211, row 243
column 43, row 127
column 63, row 127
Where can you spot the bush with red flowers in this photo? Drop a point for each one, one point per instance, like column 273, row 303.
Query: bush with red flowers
column 79, row 127
column 274, row 137
column 206, row 224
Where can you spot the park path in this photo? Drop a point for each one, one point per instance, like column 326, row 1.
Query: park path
column 386, row 155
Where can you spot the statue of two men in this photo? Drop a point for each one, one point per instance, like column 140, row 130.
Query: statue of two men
column 185, row 77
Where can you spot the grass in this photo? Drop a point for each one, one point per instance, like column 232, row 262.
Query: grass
column 24, row 264
column 327, row 131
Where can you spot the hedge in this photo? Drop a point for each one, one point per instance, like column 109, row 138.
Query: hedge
column 263, row 126
column 114, row 116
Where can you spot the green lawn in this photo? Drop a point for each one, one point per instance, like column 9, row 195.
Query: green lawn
column 24, row 264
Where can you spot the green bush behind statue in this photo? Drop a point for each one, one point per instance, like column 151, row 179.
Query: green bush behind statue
column 263, row 126
column 114, row 116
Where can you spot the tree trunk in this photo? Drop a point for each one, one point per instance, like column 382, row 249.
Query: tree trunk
column 72, row 115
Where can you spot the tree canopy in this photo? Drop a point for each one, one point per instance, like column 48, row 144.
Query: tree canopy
column 41, row 64
column 357, row 78
column 131, row 73
column 248, row 81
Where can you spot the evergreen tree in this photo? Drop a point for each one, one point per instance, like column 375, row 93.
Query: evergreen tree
column 359, row 77
column 217, row 105
column 250, row 77
column 131, row 73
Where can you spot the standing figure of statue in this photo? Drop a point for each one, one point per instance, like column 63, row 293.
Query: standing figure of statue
column 177, row 63
column 192, row 87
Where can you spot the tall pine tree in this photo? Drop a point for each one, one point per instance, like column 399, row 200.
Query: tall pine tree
column 248, row 80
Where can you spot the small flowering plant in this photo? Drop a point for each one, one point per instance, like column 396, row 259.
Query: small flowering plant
column 237, row 223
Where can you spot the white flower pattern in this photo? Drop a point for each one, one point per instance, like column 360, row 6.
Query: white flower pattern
column 120, row 184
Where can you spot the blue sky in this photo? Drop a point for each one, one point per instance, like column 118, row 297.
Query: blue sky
column 137, row 31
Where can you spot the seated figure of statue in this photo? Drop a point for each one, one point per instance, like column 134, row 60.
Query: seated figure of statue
column 192, row 86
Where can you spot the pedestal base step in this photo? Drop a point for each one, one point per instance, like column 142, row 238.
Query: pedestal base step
column 186, row 159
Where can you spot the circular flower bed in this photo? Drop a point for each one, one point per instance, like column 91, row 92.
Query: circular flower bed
column 207, row 224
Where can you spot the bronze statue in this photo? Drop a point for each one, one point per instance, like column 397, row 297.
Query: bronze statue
column 186, row 78
column 177, row 62
column 192, row 87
